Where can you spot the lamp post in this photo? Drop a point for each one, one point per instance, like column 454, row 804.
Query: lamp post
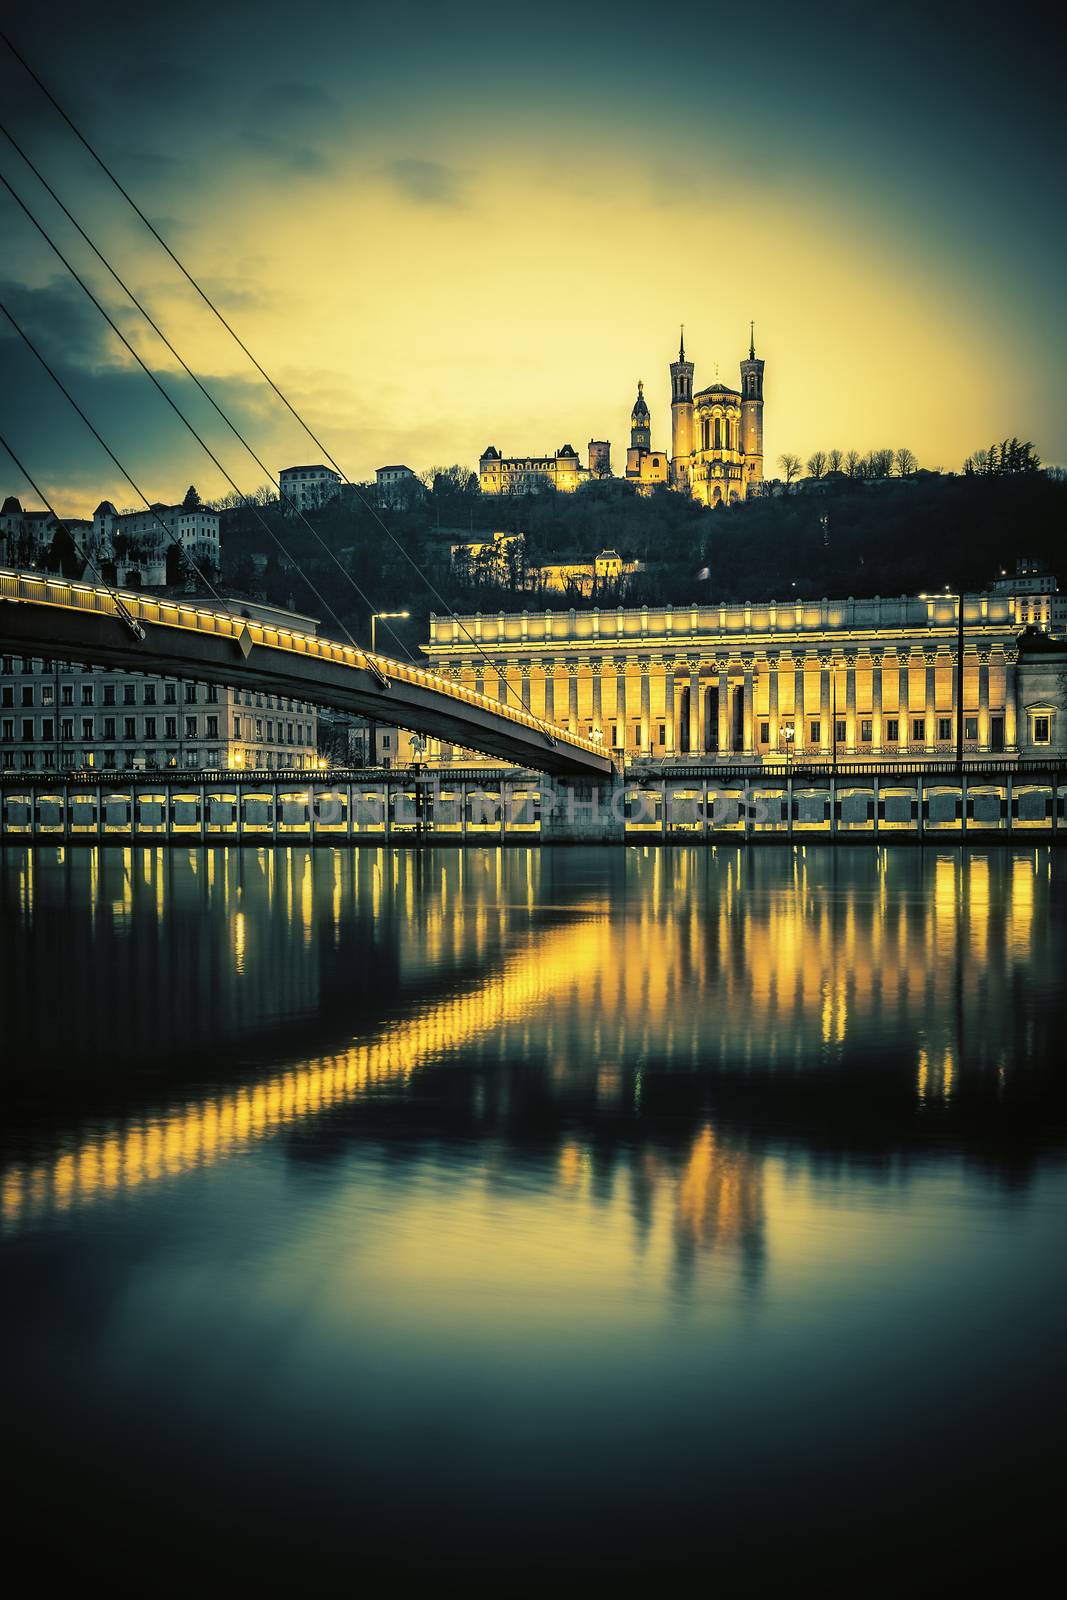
column 382, row 616
column 375, row 618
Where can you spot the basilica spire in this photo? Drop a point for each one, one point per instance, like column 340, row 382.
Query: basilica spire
column 681, row 344
column 752, row 341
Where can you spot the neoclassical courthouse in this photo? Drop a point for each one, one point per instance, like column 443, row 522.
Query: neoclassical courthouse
column 808, row 681
column 716, row 444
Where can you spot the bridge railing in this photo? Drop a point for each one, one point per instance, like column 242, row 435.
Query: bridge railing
column 65, row 593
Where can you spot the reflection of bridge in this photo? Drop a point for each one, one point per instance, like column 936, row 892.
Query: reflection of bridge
column 75, row 621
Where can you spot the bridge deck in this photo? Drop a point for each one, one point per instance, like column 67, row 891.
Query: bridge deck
column 46, row 616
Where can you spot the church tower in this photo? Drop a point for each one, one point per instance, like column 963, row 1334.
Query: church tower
column 640, row 423
column 752, row 411
column 681, row 416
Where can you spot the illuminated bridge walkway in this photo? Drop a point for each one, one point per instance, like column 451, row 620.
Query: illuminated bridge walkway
column 78, row 622
column 989, row 801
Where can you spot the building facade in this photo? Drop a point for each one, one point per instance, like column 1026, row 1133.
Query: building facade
column 646, row 468
column 717, row 432
column 130, row 548
column 806, row 681
column 307, row 488
column 563, row 471
column 396, row 485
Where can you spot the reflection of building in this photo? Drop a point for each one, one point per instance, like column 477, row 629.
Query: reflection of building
column 812, row 680
column 307, row 488
column 57, row 716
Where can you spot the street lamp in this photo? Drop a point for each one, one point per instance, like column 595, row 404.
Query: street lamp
column 381, row 616
column 789, row 733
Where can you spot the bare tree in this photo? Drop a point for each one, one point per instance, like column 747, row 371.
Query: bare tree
column 834, row 460
column 880, row 463
column 817, row 464
column 905, row 462
column 790, row 466
column 853, row 464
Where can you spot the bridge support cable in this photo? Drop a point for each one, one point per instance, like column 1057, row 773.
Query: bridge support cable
column 208, row 396
column 549, row 732
column 101, row 441
column 120, row 606
column 112, row 324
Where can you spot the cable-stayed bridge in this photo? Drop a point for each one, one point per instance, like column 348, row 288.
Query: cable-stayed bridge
column 52, row 617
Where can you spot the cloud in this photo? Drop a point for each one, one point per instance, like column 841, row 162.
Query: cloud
column 428, row 183
column 64, row 326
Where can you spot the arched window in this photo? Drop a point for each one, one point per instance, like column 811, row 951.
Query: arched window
column 718, row 433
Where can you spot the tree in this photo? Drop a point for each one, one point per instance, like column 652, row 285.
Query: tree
column 790, row 466
column 880, row 463
column 834, row 461
column 192, row 499
column 817, row 464
column 853, row 464
column 906, row 462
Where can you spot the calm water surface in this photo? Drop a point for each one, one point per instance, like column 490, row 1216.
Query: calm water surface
column 556, row 1214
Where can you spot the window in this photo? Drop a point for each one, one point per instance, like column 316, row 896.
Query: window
column 190, row 694
column 212, row 694
column 190, row 727
column 212, row 727
column 970, row 727
column 816, row 732
column 661, row 734
column 87, row 727
column 170, row 727
column 27, row 694
column 9, row 728
column 259, row 727
column 944, row 728
column 149, row 694
column 48, row 728
column 149, row 727
column 109, row 727
column 66, row 730
column 840, row 729
column 66, row 694
column 170, row 694
column 48, row 694
column 129, row 694
column 615, row 737
column 866, row 731
column 109, row 758
column 918, row 730
column 1041, row 726
column 87, row 694
column 109, row 694
column 765, row 733
column 27, row 727
column 892, row 729
column 8, row 695
column 129, row 727
column 237, row 727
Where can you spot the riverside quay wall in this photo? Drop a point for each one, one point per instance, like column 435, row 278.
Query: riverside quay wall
column 984, row 801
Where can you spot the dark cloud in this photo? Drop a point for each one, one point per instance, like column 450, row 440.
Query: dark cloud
column 64, row 326
column 430, row 183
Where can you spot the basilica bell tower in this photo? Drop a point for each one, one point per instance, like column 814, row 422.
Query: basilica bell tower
column 681, row 416
column 752, row 411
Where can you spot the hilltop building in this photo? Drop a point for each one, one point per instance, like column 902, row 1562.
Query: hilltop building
column 717, row 432
column 396, row 485
column 307, row 488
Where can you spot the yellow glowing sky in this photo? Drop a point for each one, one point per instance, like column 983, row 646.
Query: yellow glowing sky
column 437, row 260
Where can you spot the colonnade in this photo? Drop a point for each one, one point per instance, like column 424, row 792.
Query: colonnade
column 750, row 703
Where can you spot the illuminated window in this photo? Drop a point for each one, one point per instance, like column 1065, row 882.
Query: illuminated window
column 970, row 727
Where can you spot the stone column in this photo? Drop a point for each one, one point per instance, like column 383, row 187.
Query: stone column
column 904, row 696
column 876, row 704
column 695, row 718
column 572, row 697
column 550, row 691
column 826, row 664
column 668, row 709
column 930, row 658
column 646, row 709
column 1011, row 712
column 772, row 701
column 596, row 668
column 725, row 724
column 620, row 701
column 983, row 700
column 748, row 744
column 800, row 710
column 850, row 705
column 525, row 671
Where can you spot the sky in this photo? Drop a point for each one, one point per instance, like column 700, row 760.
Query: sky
column 443, row 227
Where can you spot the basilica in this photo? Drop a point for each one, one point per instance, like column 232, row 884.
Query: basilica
column 716, row 452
